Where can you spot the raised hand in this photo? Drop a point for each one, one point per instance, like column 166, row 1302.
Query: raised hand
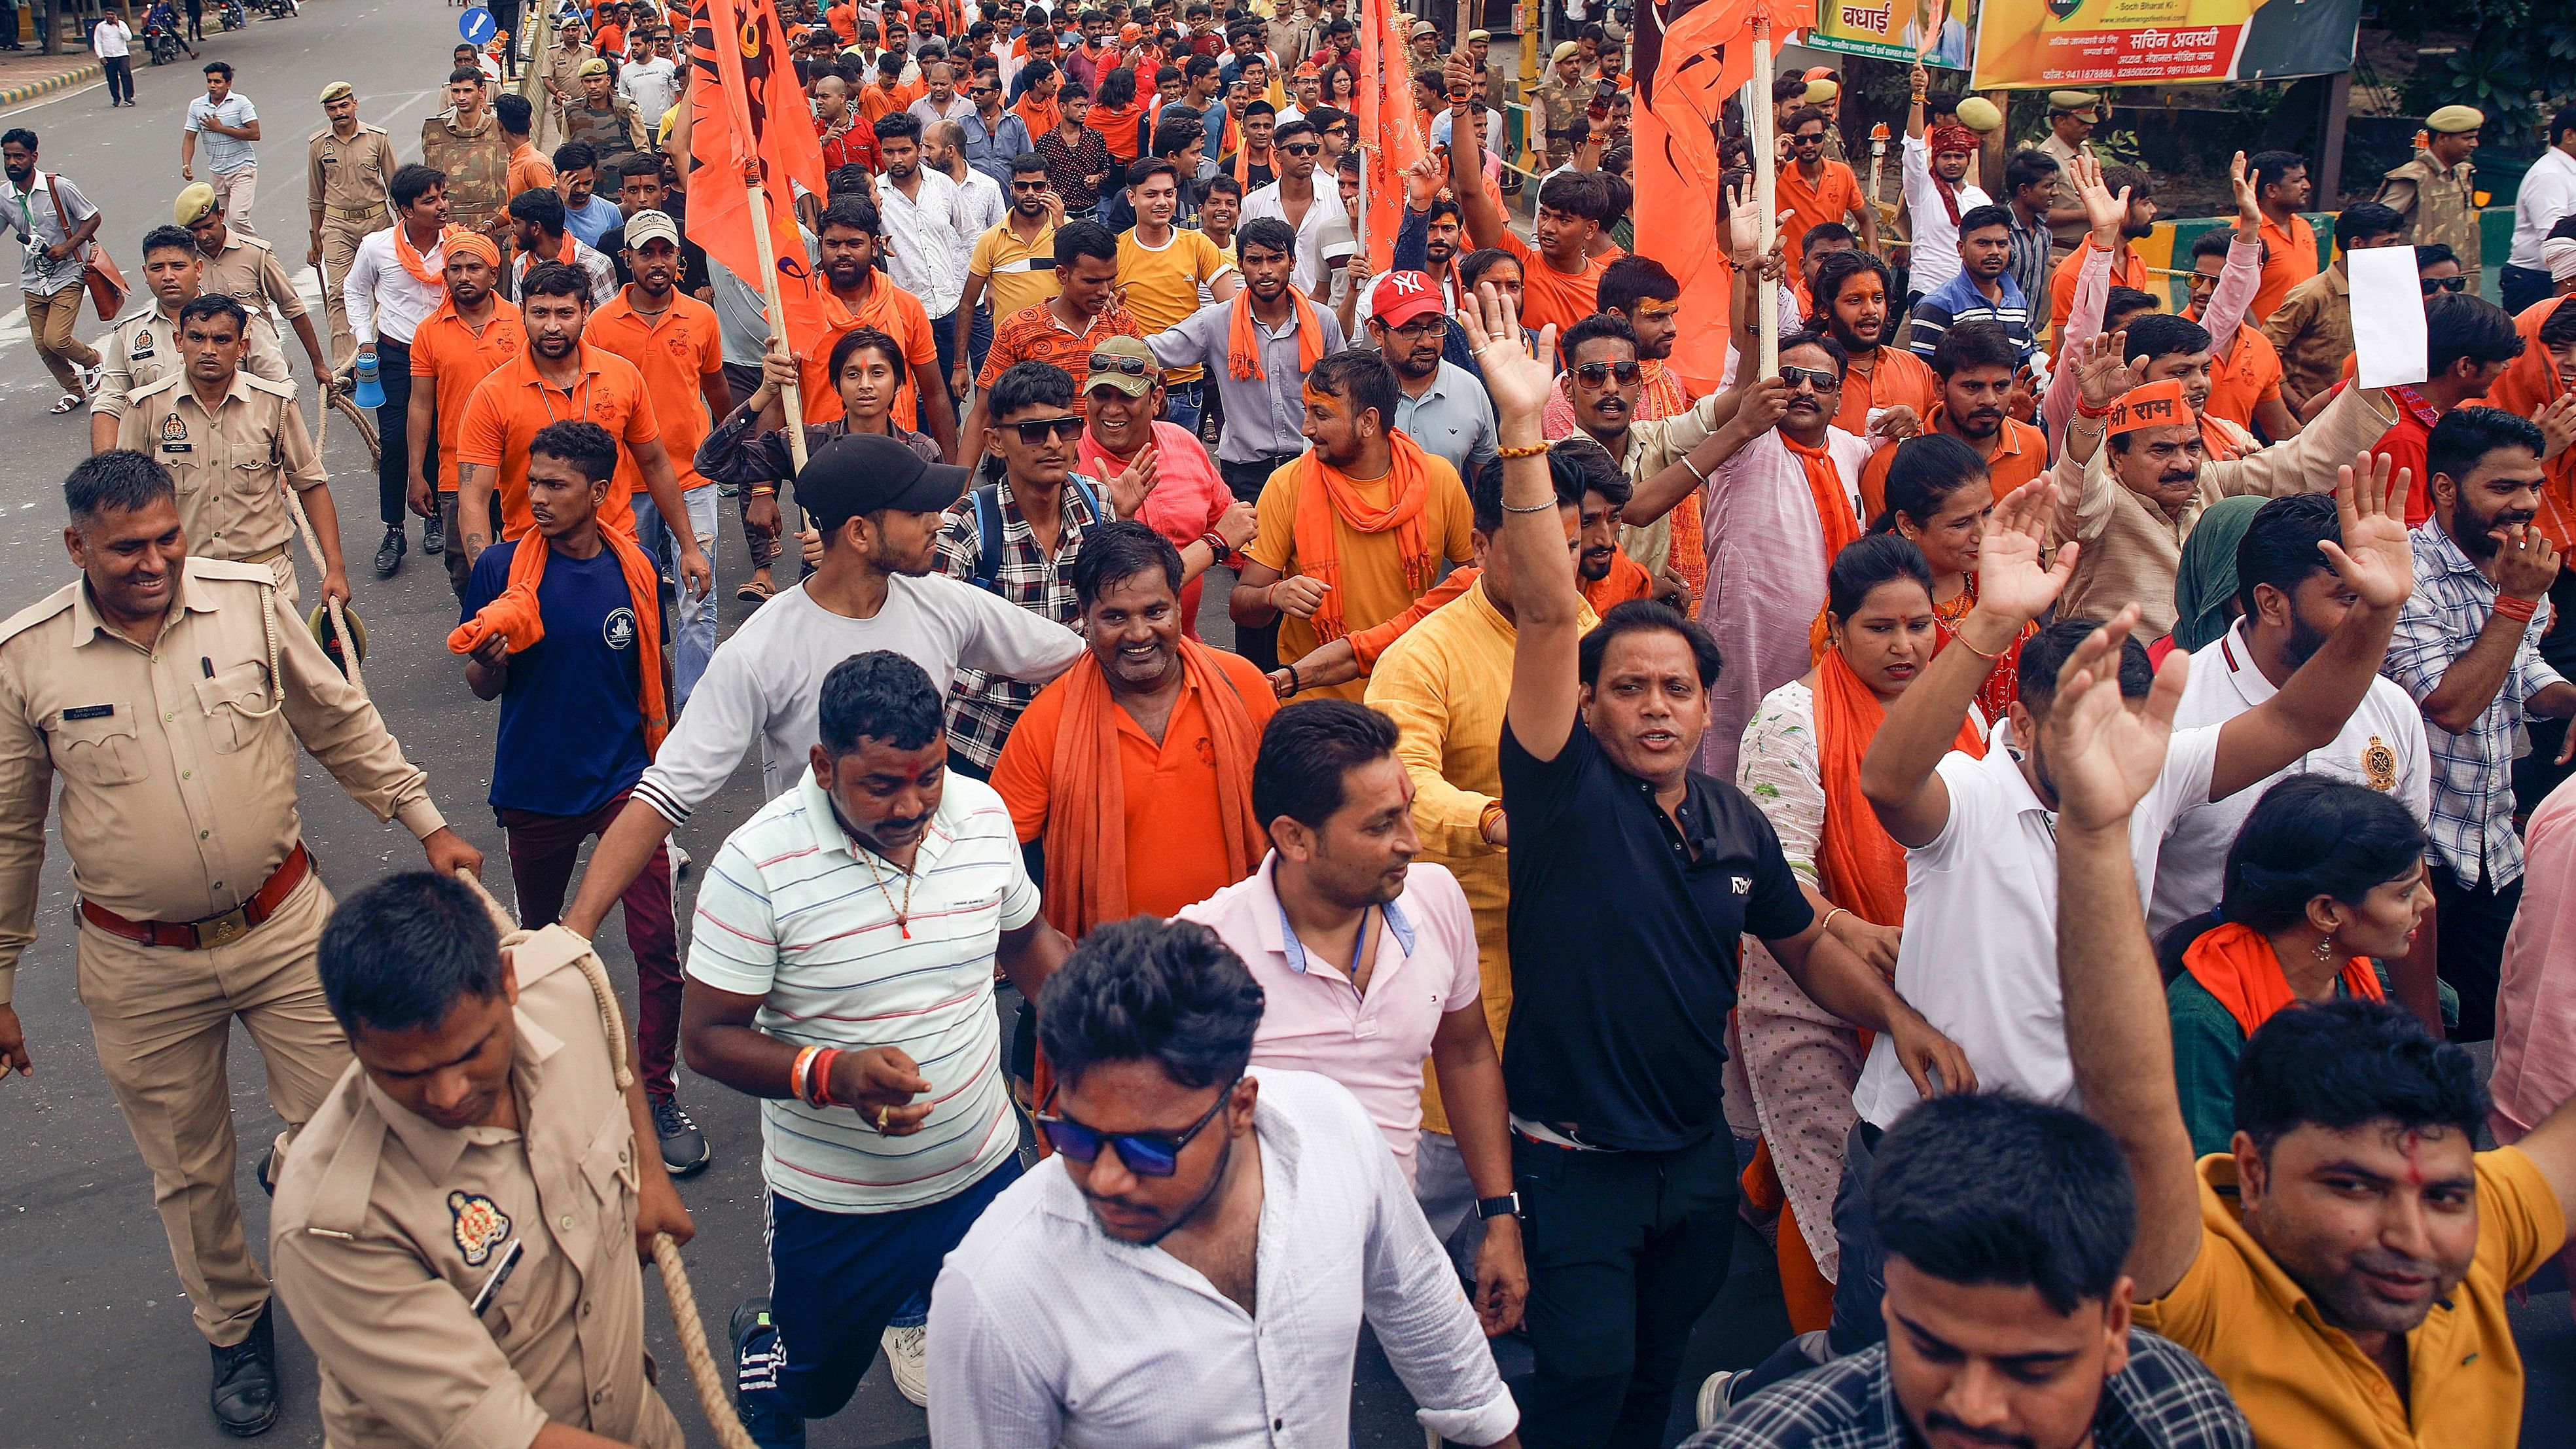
column 2101, row 375
column 2249, row 202
column 2557, row 419
column 2103, row 212
column 1515, row 378
column 2370, row 508
column 2526, row 565
column 1743, row 224
column 1765, row 403
column 2102, row 756
column 2015, row 579
column 1128, row 491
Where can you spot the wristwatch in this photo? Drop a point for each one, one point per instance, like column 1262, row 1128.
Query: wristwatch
column 1509, row 1204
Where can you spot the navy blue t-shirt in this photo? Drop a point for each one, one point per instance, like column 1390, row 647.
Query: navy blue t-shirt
column 572, row 733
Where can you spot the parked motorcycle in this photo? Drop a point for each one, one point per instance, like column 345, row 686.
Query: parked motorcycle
column 231, row 15
column 275, row 9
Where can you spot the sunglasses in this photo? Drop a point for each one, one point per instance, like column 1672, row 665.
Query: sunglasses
column 1817, row 139
column 2443, row 284
column 1035, row 430
column 1132, row 366
column 1031, row 187
column 1147, row 1154
column 1595, row 374
column 1816, row 377
column 1303, row 148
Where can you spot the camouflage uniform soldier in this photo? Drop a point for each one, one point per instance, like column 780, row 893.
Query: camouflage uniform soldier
column 603, row 118
column 467, row 144
column 2437, row 190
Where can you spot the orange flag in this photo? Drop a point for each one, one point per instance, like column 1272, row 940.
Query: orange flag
column 1390, row 125
column 750, row 120
column 1686, row 74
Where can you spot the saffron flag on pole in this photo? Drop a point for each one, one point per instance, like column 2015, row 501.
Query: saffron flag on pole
column 1687, row 70
column 1394, row 135
column 750, row 122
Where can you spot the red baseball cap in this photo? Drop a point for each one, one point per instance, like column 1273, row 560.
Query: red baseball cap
column 1401, row 297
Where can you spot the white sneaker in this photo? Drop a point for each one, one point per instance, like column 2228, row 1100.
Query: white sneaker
column 903, row 1353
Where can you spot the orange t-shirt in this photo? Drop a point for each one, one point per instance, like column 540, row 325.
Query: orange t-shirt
column 1548, row 295
column 530, row 170
column 2247, row 377
column 509, row 407
column 2126, row 271
column 1626, row 580
column 1897, row 378
column 2289, row 258
column 449, row 353
column 2021, row 454
column 673, row 353
column 1175, row 835
column 899, row 315
column 874, row 102
column 610, row 41
column 1835, row 195
column 844, row 20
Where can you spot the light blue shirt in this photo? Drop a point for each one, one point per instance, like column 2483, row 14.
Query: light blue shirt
column 222, row 154
column 593, row 219
column 1453, row 420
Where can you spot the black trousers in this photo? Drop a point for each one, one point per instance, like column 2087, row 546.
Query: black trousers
column 1626, row 1251
column 505, row 14
column 2521, row 286
column 393, row 431
column 2473, row 917
column 1259, row 644
column 120, row 77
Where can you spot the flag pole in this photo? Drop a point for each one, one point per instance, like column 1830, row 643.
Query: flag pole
column 793, row 395
column 1766, row 190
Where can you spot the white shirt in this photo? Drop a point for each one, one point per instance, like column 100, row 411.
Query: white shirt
column 2548, row 193
column 2382, row 746
column 980, row 208
column 928, row 255
column 1266, row 201
column 1044, row 1330
column 383, row 296
column 795, row 912
column 108, row 38
column 1442, row 123
column 1936, row 236
column 765, row 681
column 1979, row 956
column 653, row 85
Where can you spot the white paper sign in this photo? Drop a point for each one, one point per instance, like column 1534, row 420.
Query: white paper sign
column 2387, row 316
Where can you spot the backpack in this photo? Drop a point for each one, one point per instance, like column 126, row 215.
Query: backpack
column 988, row 527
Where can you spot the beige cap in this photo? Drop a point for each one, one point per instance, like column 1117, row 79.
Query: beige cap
column 1565, row 50
column 651, row 225
column 2455, row 120
column 337, row 91
column 1820, row 91
column 594, row 66
column 2075, row 103
column 1476, row 35
column 196, row 203
column 1979, row 114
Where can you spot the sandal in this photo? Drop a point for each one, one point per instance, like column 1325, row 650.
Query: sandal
column 753, row 591
column 71, row 403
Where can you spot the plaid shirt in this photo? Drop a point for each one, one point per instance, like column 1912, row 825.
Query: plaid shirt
column 2472, row 822
column 2164, row 1399
column 981, row 707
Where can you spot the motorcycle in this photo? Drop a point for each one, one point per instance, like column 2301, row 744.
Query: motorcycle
column 231, row 15
column 162, row 44
column 276, row 9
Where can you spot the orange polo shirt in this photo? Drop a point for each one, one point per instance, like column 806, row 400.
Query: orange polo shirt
column 2247, row 377
column 1548, row 295
column 509, row 407
column 1897, row 379
column 672, row 351
column 2021, row 454
column 530, row 170
column 1835, row 195
column 899, row 315
column 2126, row 271
column 447, row 351
column 2289, row 258
column 1175, row 835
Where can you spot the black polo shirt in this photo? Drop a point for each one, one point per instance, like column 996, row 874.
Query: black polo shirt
column 1626, row 936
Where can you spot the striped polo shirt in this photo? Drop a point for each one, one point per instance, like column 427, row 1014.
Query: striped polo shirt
column 788, row 912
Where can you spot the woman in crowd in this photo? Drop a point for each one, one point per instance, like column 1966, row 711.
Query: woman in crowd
column 2324, row 876
column 1801, row 765
column 1938, row 499
column 1342, row 88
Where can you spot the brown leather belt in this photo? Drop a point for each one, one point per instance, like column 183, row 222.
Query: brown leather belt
column 356, row 213
column 266, row 555
column 213, row 931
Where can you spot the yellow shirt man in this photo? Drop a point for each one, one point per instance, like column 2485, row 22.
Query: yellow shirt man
column 1373, row 585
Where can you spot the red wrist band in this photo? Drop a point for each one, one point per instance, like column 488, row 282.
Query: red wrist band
column 2513, row 608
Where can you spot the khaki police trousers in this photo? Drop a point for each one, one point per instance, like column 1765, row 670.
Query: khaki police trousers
column 163, row 1018
column 340, row 238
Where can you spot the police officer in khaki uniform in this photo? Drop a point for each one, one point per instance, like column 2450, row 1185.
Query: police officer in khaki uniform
column 230, row 439
column 2072, row 115
column 350, row 166
column 457, row 1228
column 2436, row 191
column 144, row 348
column 170, row 694
column 245, row 268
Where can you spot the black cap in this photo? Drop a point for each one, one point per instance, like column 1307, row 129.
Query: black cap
column 866, row 472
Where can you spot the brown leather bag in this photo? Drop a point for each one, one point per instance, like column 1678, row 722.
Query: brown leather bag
column 107, row 289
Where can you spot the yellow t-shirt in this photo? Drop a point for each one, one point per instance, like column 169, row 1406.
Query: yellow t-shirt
column 1373, row 585
column 1015, row 275
column 1161, row 284
column 2299, row 1384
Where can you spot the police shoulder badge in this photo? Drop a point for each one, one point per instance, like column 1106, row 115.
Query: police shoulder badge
column 2379, row 765
column 481, row 1226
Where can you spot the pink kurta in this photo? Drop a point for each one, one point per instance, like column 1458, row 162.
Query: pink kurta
column 2535, row 1040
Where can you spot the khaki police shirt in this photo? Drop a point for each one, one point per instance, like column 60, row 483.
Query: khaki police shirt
column 351, row 176
column 144, row 349
column 2439, row 205
column 388, row 1228
column 2065, row 236
column 178, row 761
column 247, row 270
column 2312, row 330
column 227, row 462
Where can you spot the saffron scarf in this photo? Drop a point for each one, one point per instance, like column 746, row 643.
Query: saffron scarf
column 1243, row 341
column 418, row 265
column 1039, row 116
column 2235, row 963
column 1325, row 494
column 513, row 614
column 1833, row 505
column 1086, row 830
column 2529, row 383
column 1859, row 866
column 1121, row 129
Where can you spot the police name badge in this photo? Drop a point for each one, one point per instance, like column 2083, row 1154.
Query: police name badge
column 174, row 435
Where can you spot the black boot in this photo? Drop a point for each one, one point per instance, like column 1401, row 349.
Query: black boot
column 389, row 553
column 244, row 1396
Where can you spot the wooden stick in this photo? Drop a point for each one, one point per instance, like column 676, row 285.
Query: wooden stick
column 313, row 546
column 793, row 395
column 1766, row 199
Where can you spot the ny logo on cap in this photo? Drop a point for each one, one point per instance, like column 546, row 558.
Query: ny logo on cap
column 1405, row 283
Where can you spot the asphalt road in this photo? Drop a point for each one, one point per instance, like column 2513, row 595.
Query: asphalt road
column 99, row 1348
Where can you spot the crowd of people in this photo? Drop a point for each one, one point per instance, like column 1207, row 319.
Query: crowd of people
column 2028, row 801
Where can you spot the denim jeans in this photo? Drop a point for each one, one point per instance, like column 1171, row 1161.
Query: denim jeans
column 692, row 626
column 1183, row 402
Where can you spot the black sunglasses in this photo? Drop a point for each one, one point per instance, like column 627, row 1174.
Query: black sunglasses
column 1035, row 430
column 1110, row 362
column 1303, row 148
column 1147, row 1154
column 2442, row 284
column 1818, row 378
column 1594, row 374
column 1032, row 187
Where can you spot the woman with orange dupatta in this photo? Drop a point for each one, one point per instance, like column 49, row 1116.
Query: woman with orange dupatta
column 2324, row 876
column 1801, row 766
